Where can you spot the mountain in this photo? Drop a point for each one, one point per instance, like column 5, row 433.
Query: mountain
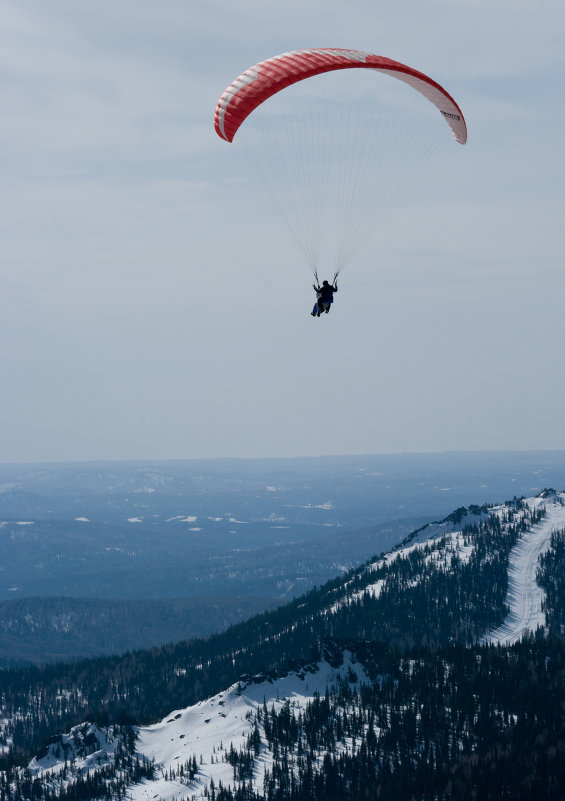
column 99, row 558
column 435, row 670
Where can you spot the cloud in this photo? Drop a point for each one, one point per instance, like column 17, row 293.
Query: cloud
column 151, row 304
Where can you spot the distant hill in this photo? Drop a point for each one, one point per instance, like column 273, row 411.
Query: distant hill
column 266, row 528
column 49, row 629
column 40, row 630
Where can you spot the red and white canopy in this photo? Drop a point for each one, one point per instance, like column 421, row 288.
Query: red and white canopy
column 265, row 79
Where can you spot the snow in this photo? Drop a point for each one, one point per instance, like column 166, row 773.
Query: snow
column 208, row 729
column 454, row 547
column 525, row 596
column 87, row 746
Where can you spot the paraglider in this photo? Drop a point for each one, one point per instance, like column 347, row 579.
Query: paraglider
column 311, row 184
column 324, row 296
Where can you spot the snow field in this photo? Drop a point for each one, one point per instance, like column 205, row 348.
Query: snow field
column 208, row 729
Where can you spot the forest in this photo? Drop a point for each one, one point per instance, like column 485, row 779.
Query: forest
column 443, row 716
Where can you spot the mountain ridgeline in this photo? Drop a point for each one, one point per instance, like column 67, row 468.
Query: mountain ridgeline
column 419, row 706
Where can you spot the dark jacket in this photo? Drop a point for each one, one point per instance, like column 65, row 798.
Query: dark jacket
column 326, row 293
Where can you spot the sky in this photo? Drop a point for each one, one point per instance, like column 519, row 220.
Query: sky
column 152, row 307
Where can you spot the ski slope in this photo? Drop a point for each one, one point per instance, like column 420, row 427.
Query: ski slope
column 525, row 596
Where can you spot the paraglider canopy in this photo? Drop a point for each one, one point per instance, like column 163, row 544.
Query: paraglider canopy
column 330, row 155
column 265, row 79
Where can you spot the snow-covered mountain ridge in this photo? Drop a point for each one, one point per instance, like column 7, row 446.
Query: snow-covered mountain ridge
column 446, row 545
column 227, row 724
column 196, row 748
column 232, row 716
column 472, row 581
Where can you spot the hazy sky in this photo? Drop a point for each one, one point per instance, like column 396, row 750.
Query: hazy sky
column 150, row 307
